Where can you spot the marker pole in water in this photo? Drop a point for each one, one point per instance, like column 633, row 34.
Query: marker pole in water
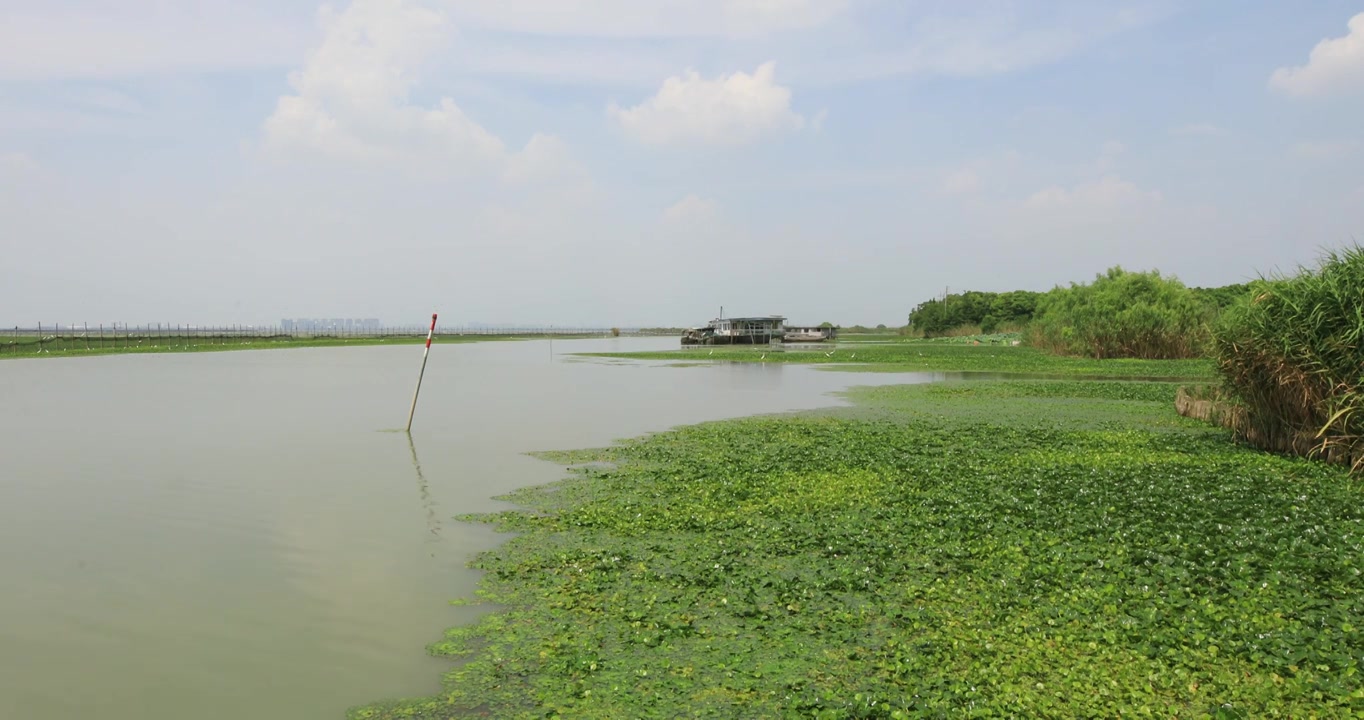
column 425, row 352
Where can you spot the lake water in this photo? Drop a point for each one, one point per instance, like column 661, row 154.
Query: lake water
column 241, row 534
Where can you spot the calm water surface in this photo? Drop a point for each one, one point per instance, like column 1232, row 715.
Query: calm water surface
column 228, row 535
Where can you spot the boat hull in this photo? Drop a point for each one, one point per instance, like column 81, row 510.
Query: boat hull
column 726, row 340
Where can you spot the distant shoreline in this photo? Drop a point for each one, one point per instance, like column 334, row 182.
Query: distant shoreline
column 930, row 356
column 31, row 347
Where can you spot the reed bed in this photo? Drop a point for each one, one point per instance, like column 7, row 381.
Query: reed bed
column 1292, row 357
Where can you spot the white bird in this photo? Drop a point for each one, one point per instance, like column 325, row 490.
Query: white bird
column 852, row 356
column 829, row 354
column 764, row 357
column 712, row 352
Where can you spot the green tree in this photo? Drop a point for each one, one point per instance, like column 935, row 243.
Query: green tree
column 986, row 309
column 1123, row 314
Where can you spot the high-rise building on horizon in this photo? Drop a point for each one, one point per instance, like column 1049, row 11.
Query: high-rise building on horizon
column 330, row 324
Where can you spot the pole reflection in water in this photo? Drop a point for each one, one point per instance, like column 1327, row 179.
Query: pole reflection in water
column 424, row 490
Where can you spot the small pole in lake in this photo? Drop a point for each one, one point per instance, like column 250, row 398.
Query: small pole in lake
column 425, row 353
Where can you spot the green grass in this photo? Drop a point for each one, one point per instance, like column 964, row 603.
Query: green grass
column 999, row 338
column 1004, row 549
column 938, row 357
column 878, row 336
column 27, row 346
column 1053, row 404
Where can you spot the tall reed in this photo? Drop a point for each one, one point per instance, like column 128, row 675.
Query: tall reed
column 1293, row 354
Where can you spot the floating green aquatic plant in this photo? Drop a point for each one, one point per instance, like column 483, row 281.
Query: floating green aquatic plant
column 935, row 551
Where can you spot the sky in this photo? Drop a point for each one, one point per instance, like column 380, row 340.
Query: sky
column 645, row 162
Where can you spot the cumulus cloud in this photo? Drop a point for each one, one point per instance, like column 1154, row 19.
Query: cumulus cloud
column 728, row 110
column 961, row 182
column 614, row 43
column 1109, row 155
column 107, row 100
column 1198, row 130
column 22, row 181
column 648, row 18
column 351, row 99
column 544, row 158
column 1324, row 149
column 1102, row 221
column 691, row 208
column 1107, row 193
column 17, row 164
column 971, row 39
column 1336, row 65
column 113, row 38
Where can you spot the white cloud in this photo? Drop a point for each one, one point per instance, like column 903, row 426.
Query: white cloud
column 616, row 42
column 336, row 205
column 1324, row 149
column 112, row 38
column 648, row 18
column 601, row 63
column 728, row 110
column 544, row 158
column 1198, row 130
column 351, row 101
column 691, row 208
column 350, row 144
column 107, row 100
column 1098, row 222
column 757, row 16
column 1107, row 193
column 992, row 177
column 816, row 123
column 573, row 41
column 970, row 39
column 1109, row 154
column 17, row 165
column 961, row 182
column 1336, row 65
column 22, row 180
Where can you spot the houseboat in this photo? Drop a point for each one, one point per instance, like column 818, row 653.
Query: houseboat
column 809, row 333
column 737, row 331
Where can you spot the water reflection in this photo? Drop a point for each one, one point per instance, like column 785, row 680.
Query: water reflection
column 424, row 491
column 249, row 543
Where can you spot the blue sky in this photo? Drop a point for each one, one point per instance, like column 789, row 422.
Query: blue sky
column 646, row 161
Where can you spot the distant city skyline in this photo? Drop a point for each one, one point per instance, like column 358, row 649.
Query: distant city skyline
column 642, row 163
column 342, row 324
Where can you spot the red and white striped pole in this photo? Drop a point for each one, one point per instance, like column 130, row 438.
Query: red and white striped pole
column 426, row 352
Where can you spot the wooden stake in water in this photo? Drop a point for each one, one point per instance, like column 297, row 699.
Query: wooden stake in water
column 425, row 353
